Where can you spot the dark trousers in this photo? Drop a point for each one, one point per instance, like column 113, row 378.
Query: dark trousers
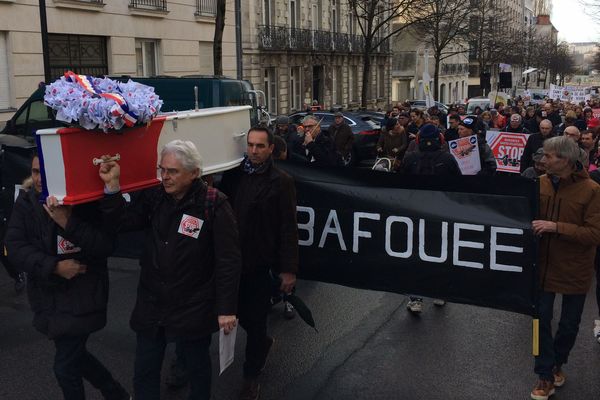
column 149, row 355
column 554, row 352
column 72, row 363
column 253, row 309
column 10, row 269
column 598, row 285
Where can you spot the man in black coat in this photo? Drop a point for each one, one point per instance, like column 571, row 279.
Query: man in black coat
column 317, row 148
column 343, row 138
column 431, row 158
column 190, row 268
column 535, row 142
column 264, row 200
column 64, row 251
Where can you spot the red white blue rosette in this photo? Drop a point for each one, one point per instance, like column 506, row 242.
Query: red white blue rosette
column 101, row 103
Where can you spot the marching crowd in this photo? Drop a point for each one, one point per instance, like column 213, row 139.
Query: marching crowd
column 212, row 256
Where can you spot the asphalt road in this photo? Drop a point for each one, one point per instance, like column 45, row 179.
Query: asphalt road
column 367, row 347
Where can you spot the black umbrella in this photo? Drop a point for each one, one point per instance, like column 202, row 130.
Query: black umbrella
column 299, row 304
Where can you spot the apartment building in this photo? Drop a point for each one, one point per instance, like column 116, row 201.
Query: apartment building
column 116, row 37
column 303, row 51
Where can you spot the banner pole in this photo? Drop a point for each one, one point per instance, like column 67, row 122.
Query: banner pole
column 536, row 337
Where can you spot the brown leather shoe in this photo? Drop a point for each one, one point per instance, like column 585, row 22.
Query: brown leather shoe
column 250, row 390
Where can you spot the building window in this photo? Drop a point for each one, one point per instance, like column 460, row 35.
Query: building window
column 267, row 12
column 295, row 89
column 354, row 73
column 146, row 57
column 4, row 81
column 206, row 7
column 335, row 23
column 381, row 81
column 337, row 85
column 81, row 54
column 149, row 4
column 294, row 13
column 270, row 86
column 316, row 11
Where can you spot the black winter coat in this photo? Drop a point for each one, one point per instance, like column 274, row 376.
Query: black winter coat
column 534, row 142
column 320, row 152
column 35, row 244
column 438, row 162
column 265, row 208
column 185, row 281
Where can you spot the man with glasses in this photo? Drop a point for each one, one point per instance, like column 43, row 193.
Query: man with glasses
column 317, row 149
column 190, row 268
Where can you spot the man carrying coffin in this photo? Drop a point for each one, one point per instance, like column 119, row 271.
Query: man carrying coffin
column 190, row 268
column 264, row 200
column 569, row 226
column 63, row 249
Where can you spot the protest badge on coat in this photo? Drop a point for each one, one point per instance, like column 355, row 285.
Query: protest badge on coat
column 466, row 153
column 190, row 226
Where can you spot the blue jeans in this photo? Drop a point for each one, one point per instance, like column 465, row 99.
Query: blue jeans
column 73, row 363
column 149, row 355
column 554, row 352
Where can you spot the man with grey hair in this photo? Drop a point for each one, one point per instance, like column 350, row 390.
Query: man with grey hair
column 317, row 148
column 569, row 230
column 515, row 125
column 535, row 142
column 190, row 268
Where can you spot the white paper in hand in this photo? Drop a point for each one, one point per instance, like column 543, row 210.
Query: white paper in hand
column 226, row 348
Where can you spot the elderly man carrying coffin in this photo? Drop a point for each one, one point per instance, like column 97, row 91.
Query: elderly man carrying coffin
column 190, row 268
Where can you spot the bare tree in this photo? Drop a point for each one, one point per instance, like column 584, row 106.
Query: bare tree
column 218, row 38
column 375, row 19
column 562, row 63
column 488, row 25
column 445, row 30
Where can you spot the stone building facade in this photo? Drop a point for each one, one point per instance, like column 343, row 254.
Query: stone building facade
column 300, row 51
column 116, row 37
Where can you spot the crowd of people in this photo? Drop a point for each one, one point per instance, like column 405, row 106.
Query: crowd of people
column 211, row 256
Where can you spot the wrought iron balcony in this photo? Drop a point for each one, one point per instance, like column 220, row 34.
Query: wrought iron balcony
column 159, row 5
column 281, row 38
column 206, row 7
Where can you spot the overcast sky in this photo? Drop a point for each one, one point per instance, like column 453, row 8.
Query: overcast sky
column 572, row 22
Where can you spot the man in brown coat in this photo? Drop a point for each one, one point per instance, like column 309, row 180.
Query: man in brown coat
column 343, row 138
column 569, row 226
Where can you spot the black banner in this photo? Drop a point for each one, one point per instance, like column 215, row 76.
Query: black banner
column 463, row 239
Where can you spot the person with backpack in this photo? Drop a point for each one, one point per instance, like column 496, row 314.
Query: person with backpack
column 264, row 200
column 430, row 158
column 190, row 268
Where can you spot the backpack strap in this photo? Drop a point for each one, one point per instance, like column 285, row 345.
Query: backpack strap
column 209, row 203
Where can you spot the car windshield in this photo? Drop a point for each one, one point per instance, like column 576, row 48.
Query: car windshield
column 474, row 104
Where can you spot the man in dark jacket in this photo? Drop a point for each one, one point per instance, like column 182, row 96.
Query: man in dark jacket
column 289, row 132
column 549, row 113
column 64, row 251
column 535, row 142
column 317, row 149
column 430, row 158
column 190, row 268
column 343, row 138
column 264, row 200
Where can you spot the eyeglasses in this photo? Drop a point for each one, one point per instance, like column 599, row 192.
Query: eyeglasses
column 309, row 126
column 167, row 171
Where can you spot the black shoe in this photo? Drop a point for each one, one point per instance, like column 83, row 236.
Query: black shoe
column 289, row 312
column 250, row 390
column 177, row 377
column 20, row 282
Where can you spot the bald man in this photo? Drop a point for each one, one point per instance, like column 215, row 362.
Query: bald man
column 535, row 142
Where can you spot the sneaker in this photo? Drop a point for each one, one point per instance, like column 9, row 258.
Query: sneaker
column 289, row 312
column 415, row 306
column 177, row 377
column 559, row 377
column 543, row 390
column 439, row 302
column 250, row 390
column 597, row 330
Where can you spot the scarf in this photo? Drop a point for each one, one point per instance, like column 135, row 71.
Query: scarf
column 251, row 169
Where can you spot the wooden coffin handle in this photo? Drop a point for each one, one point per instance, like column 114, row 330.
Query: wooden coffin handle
column 98, row 161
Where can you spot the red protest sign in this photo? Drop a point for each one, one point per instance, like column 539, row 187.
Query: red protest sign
column 508, row 149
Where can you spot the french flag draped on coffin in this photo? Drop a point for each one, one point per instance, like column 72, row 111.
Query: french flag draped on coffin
column 123, row 120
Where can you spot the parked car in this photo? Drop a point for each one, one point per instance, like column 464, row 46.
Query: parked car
column 364, row 126
column 482, row 102
column 422, row 105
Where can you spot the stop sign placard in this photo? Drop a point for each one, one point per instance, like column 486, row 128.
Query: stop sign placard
column 508, row 149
